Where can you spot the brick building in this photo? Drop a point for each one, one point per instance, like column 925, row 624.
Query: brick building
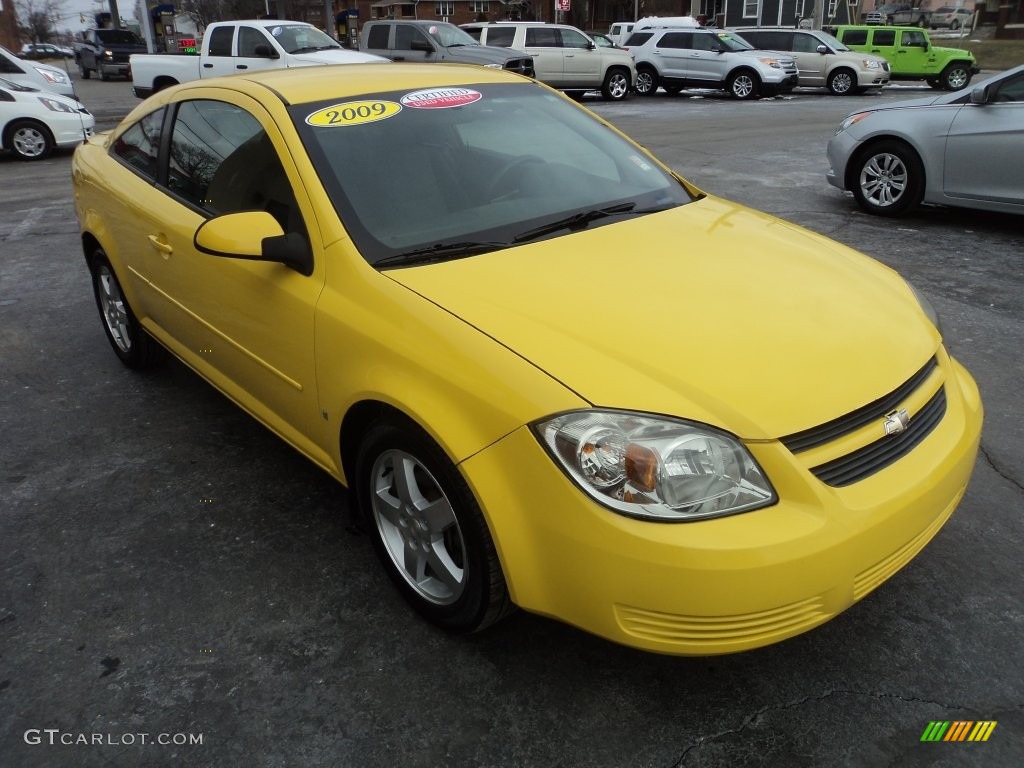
column 9, row 37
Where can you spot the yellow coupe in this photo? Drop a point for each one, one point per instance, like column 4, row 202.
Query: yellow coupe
column 553, row 374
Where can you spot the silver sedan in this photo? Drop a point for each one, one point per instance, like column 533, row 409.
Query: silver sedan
column 964, row 148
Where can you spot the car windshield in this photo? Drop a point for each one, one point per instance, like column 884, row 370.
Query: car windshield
column 451, row 172
column 300, row 38
column 831, row 42
column 448, row 35
column 731, row 42
column 118, row 37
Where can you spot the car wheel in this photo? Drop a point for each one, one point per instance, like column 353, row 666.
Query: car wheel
column 428, row 530
column 955, row 76
column 616, row 85
column 133, row 346
column 29, row 140
column 841, row 82
column 646, row 81
column 954, row 25
column 922, row 22
column 744, row 84
column 888, row 178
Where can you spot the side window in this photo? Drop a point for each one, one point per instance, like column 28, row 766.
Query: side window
column 139, row 146
column 541, row 37
column 675, row 40
column 474, row 32
column 639, row 38
column 705, row 42
column 220, row 41
column 501, row 36
column 1011, row 90
column 855, row 36
column 248, row 39
column 8, row 67
column 754, row 38
column 405, row 34
column 774, row 41
column 884, row 37
column 222, row 161
column 805, row 43
column 378, row 37
column 573, row 39
column 913, row 38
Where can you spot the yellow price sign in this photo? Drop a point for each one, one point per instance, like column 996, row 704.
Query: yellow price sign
column 354, row 113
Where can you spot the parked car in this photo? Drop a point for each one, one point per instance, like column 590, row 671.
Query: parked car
column 898, row 13
column 437, row 42
column 961, row 149
column 35, row 74
column 230, row 47
column 45, row 51
column 33, row 122
column 620, row 31
column 675, row 58
column 822, row 60
column 953, row 18
column 911, row 55
column 553, row 373
column 563, row 56
column 107, row 52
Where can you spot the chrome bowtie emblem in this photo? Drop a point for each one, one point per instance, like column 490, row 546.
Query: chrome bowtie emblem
column 896, row 422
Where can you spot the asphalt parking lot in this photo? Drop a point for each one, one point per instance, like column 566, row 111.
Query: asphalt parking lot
column 170, row 568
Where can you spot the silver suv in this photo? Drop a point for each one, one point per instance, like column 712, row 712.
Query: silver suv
column 563, row 56
column 822, row 60
column 705, row 58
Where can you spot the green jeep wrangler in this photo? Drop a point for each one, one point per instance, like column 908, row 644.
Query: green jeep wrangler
column 911, row 55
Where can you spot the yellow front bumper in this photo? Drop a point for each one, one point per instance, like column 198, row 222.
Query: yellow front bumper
column 730, row 584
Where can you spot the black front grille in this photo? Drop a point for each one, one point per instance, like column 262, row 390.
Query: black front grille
column 522, row 66
column 880, row 454
column 851, row 422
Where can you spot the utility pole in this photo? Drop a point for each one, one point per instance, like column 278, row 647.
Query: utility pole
column 115, row 17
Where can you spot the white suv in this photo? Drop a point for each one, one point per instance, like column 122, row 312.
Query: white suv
column 563, row 56
column 676, row 58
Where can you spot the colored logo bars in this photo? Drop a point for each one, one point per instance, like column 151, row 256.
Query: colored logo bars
column 958, row 730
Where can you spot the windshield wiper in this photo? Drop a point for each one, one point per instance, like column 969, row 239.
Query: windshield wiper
column 441, row 252
column 575, row 222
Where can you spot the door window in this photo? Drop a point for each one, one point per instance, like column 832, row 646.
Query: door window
column 501, row 36
column 884, row 37
column 378, row 37
column 855, row 36
column 676, row 40
column 541, row 37
column 405, row 34
column 248, row 39
column 220, row 41
column 573, row 39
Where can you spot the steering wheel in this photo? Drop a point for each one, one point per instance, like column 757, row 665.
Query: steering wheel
column 507, row 180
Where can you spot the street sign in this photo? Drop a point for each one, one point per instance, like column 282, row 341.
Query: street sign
column 562, row 5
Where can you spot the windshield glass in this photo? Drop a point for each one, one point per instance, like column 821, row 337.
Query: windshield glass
column 731, row 42
column 118, row 37
column 831, row 41
column 297, row 38
column 480, row 167
column 449, row 34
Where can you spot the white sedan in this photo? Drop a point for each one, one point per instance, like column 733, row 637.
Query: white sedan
column 33, row 123
column 961, row 148
column 954, row 18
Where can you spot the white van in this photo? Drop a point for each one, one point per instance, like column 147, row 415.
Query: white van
column 35, row 75
column 619, row 31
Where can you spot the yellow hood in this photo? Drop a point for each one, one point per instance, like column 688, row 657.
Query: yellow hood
column 710, row 312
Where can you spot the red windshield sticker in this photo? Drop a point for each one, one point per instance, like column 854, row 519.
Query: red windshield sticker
column 440, row 98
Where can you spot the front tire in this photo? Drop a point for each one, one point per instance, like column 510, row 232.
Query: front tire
column 132, row 345
column 29, row 140
column 887, row 178
column 954, row 25
column 955, row 76
column 428, row 530
column 842, row 82
column 616, row 85
column 744, row 85
column 646, row 81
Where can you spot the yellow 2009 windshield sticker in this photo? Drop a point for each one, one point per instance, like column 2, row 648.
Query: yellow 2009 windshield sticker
column 354, row 113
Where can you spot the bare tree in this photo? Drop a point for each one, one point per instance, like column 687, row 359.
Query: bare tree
column 205, row 12
column 37, row 19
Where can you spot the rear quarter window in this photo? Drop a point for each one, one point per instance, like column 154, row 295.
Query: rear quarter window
column 855, row 36
column 378, row 37
column 884, row 37
column 639, row 38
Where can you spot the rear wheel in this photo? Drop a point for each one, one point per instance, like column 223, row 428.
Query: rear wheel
column 842, row 82
column 887, row 178
column 29, row 140
column 133, row 346
column 646, row 81
column 744, row 84
column 616, row 84
column 428, row 529
column 954, row 25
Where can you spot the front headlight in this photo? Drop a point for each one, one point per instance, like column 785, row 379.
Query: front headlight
column 57, row 106
column 53, row 76
column 870, row 64
column 851, row 121
column 926, row 306
column 771, row 63
column 653, row 467
column 492, row 66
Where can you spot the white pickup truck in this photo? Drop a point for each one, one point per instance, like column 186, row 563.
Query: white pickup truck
column 233, row 47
